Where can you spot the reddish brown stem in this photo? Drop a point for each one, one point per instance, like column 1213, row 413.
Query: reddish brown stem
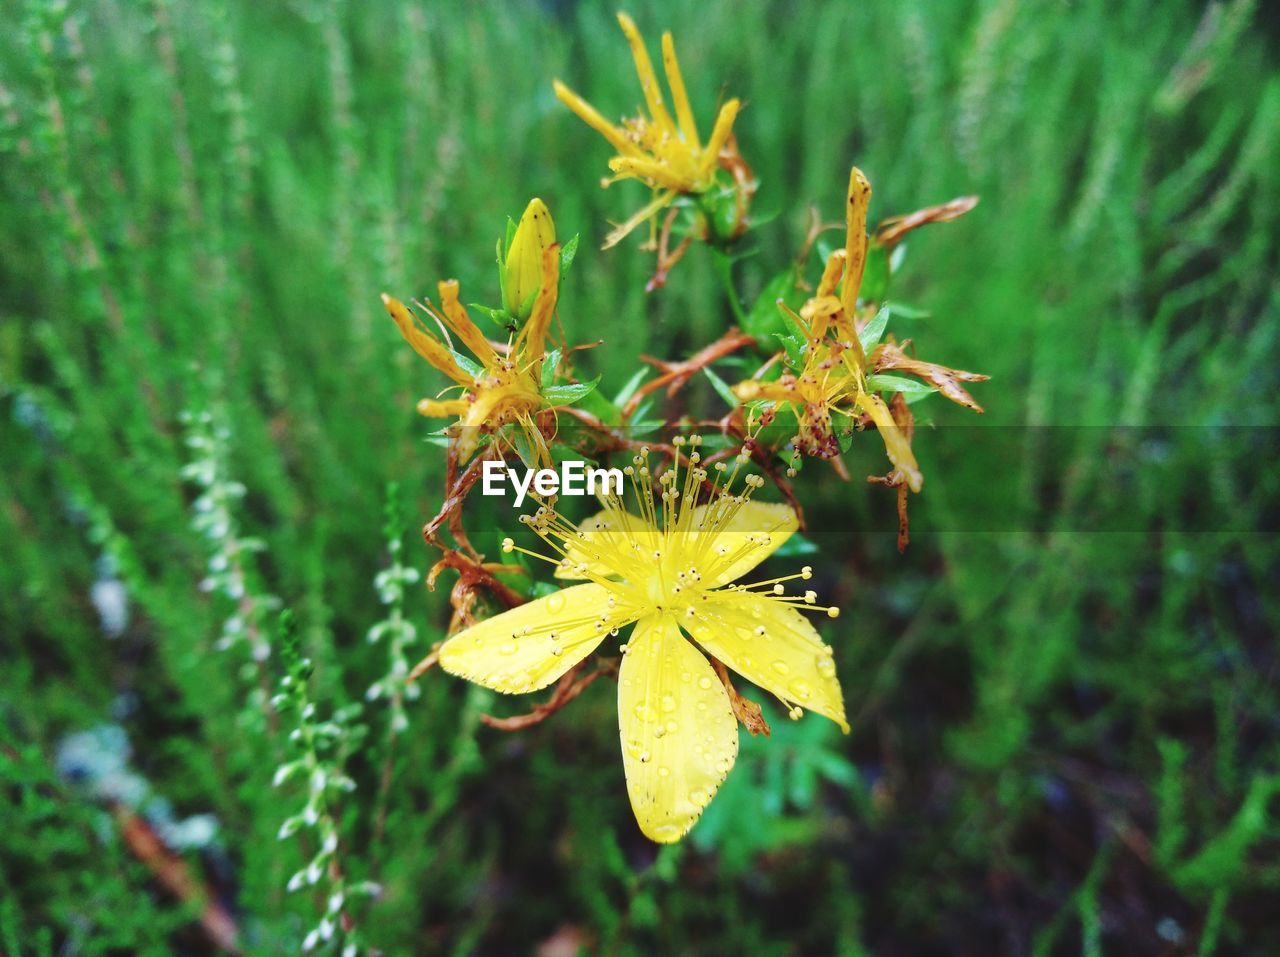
column 568, row 688
column 675, row 374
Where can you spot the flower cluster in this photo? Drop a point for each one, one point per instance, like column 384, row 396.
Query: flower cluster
column 662, row 575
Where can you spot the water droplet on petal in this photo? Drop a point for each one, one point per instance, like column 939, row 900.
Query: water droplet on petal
column 781, row 667
column 704, row 683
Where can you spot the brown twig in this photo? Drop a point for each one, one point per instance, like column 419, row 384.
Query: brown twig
column 567, row 688
column 667, row 260
column 176, row 877
column 675, row 374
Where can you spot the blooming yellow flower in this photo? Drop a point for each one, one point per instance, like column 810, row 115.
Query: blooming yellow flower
column 507, row 388
column 665, row 154
column 670, row 568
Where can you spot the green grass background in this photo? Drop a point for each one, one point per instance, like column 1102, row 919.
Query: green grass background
column 1064, row 699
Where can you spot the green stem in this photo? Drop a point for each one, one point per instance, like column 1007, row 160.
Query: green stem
column 724, row 269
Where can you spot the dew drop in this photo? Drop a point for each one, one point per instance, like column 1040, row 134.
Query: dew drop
column 507, row 648
column 666, row 833
column 699, row 797
column 664, row 772
column 781, row 667
column 704, row 683
column 668, row 703
column 801, row 690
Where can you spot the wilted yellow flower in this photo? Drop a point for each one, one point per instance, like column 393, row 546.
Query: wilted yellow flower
column 507, row 389
column 833, row 379
column 670, row 570
column 665, row 154
column 522, row 265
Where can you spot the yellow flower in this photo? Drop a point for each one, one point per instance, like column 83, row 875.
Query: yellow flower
column 833, row 378
column 506, row 389
column 666, row 155
column 669, row 567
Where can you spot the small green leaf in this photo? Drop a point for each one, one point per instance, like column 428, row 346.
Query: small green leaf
column 873, row 332
column 902, row 310
column 795, row 349
column 467, row 364
column 896, row 257
column 570, row 392
column 549, row 364
column 875, row 278
column 765, row 321
column 795, row 547
column 628, row 390
column 567, row 253
column 897, row 383
column 601, row 408
column 500, row 316
column 722, row 388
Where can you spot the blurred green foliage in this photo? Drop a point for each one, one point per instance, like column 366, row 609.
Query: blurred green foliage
column 1065, row 721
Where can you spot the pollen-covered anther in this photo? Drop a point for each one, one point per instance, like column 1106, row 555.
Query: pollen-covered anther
column 810, row 597
column 508, row 545
column 807, row 572
column 833, row 612
column 777, row 589
column 796, row 713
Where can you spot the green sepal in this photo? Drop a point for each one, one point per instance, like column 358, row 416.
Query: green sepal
column 873, row 331
column 569, row 392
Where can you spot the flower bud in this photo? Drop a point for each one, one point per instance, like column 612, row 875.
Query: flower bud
column 522, row 269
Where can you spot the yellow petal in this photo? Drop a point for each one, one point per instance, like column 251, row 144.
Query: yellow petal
column 644, row 70
column 456, row 318
column 516, row 651
column 789, row 659
column 618, row 233
column 652, row 172
column 522, row 271
column 589, row 115
column 895, row 443
column 423, row 342
column 611, row 532
column 753, row 533
column 855, row 239
column 831, row 274
column 436, row 408
column 675, row 80
column 720, row 132
column 679, row 736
